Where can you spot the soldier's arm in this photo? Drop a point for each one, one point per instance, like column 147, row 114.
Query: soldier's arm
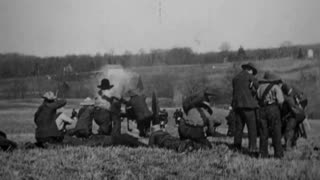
column 59, row 103
column 279, row 95
column 152, row 141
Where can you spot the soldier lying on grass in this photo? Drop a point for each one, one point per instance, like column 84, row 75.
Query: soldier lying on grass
column 5, row 144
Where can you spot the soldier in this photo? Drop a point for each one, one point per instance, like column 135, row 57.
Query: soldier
column 177, row 115
column 139, row 111
column 293, row 114
column 231, row 122
column 199, row 116
column 163, row 116
column 162, row 139
column 83, row 127
column 50, row 124
column 5, row 144
column 107, row 111
column 270, row 98
column 245, row 106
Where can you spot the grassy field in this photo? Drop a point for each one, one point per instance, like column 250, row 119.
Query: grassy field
column 145, row 163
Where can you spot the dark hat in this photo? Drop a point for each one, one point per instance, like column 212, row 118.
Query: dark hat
column 2, row 134
column 105, row 84
column 250, row 66
column 270, row 77
column 49, row 95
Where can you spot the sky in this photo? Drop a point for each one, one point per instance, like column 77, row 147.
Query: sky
column 61, row 27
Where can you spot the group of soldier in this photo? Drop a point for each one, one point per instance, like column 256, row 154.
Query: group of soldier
column 268, row 107
column 263, row 106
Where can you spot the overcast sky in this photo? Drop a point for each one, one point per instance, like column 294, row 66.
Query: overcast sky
column 60, row 27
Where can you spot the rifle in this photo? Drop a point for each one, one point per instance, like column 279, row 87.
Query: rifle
column 73, row 114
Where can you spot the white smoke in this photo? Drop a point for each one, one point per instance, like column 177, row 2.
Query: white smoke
column 122, row 79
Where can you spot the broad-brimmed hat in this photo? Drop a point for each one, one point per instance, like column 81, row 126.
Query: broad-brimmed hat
column 105, row 84
column 270, row 77
column 87, row 102
column 49, row 95
column 250, row 66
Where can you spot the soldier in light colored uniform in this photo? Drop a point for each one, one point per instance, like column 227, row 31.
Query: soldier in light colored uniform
column 270, row 98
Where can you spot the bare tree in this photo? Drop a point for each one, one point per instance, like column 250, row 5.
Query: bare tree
column 225, row 47
column 286, row 44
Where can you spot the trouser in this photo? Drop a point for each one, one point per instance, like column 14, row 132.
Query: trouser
column 51, row 140
column 244, row 116
column 143, row 126
column 80, row 133
column 270, row 121
column 231, row 122
column 194, row 133
column 116, row 124
column 291, row 132
column 7, row 145
column 102, row 117
column 163, row 139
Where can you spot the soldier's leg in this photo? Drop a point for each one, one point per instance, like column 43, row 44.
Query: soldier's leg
column 289, row 132
column 116, row 128
column 204, row 143
column 275, row 119
column 7, row 145
column 251, row 121
column 239, row 125
column 264, row 133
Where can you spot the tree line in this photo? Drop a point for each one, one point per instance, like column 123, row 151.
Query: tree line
column 19, row 65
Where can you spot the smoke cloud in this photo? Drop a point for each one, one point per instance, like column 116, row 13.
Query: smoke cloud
column 121, row 78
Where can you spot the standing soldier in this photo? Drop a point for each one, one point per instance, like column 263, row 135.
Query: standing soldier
column 230, row 122
column 107, row 112
column 270, row 100
column 245, row 106
column 139, row 111
column 177, row 115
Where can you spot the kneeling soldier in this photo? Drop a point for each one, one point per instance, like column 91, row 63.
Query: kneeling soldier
column 83, row 127
column 50, row 124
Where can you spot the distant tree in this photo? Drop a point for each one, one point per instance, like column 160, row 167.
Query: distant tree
column 300, row 54
column 225, row 47
column 241, row 53
column 286, row 44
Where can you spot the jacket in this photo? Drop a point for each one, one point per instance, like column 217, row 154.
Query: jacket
column 274, row 96
column 244, row 85
column 85, row 118
column 45, row 117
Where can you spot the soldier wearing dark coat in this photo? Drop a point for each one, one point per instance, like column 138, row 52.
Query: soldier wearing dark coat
column 5, row 144
column 245, row 106
column 139, row 111
column 83, row 128
column 162, row 139
column 45, row 119
column 271, row 99
column 293, row 114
